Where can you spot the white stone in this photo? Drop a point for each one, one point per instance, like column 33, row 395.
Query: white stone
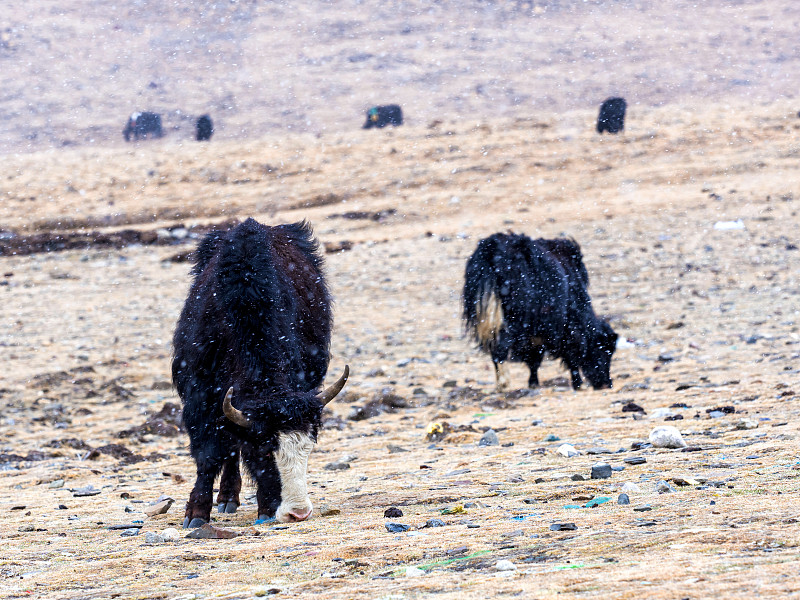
column 414, row 572
column 666, row 436
column 567, row 450
column 170, row 534
column 661, row 413
column 153, row 538
column 629, row 488
column 505, row 565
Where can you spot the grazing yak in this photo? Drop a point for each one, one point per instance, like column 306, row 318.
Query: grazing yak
column 142, row 124
column 612, row 115
column 381, row 116
column 205, row 128
column 251, row 348
column 525, row 297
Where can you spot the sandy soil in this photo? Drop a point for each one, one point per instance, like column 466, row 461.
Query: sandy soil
column 709, row 317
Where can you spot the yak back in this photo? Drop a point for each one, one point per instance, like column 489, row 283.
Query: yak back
column 257, row 315
column 530, row 283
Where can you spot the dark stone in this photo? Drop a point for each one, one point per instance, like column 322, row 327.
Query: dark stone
column 563, row 527
column 392, row 513
column 601, row 471
column 623, row 499
column 434, row 523
column 635, row 460
column 632, row 407
column 397, row 527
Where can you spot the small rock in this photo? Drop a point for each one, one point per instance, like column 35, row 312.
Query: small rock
column 567, row 450
column 414, row 572
column 578, row 477
column 632, row 407
column 623, row 499
column 489, row 439
column 563, row 527
column 685, row 481
column 159, row 508
column 601, row 471
column 434, row 523
column 505, row 565
column 397, row 527
column 88, row 490
column 209, row 532
column 635, row 460
column 394, row 449
column 326, row 510
column 662, row 487
column 643, row 508
column 151, row 537
column 130, row 532
column 661, row 413
column 666, row 436
column 630, row 488
column 392, row 513
column 598, row 450
column 170, row 534
column 54, row 485
column 744, row 424
column 26, row 528
column 337, row 466
column 552, row 438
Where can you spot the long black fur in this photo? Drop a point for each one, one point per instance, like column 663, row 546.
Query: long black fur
column 611, row 117
column 542, row 288
column 257, row 318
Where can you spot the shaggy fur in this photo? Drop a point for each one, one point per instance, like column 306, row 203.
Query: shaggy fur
column 523, row 298
column 257, row 318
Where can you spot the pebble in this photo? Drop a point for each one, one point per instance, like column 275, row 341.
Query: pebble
column 434, row 523
column 661, row 413
column 89, row 490
column 601, row 471
column 578, row 477
column 685, row 481
column 159, row 508
column 643, row 508
column 745, row 424
column 130, row 532
column 666, row 436
column 662, row 487
column 26, row 528
column 414, row 572
column 209, row 532
column 392, row 513
column 552, row 438
column 151, row 537
column 337, row 466
column 563, row 527
column 505, row 565
column 599, row 450
column 170, row 534
column 567, row 450
column 629, row 488
column 327, row 510
column 397, row 527
column 623, row 499
column 635, row 460
column 54, row 485
column 489, row 439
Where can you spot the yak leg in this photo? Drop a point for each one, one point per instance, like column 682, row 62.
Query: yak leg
column 574, row 372
column 534, row 360
column 198, row 508
column 230, row 484
column 501, row 373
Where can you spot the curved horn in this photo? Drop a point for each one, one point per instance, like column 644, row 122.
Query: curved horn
column 325, row 396
column 233, row 414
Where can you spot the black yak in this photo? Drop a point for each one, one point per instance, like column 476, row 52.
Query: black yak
column 251, row 348
column 381, row 116
column 612, row 115
column 205, row 128
column 525, row 297
column 142, row 124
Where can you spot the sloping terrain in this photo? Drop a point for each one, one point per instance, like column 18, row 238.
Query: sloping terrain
column 688, row 224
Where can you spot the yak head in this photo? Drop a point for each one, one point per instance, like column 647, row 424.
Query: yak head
column 278, row 430
column 601, row 345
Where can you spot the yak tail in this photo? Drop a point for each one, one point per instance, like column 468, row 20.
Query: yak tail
column 482, row 308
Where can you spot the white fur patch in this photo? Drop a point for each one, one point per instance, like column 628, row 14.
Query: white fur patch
column 490, row 319
column 292, row 461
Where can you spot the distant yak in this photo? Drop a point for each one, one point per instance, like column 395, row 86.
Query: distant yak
column 523, row 298
column 205, row 128
column 612, row 115
column 251, row 350
column 142, row 125
column 381, row 116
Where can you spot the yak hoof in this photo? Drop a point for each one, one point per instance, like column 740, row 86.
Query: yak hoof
column 227, row 507
column 194, row 523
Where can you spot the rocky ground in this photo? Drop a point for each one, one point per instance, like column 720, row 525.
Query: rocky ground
column 688, row 224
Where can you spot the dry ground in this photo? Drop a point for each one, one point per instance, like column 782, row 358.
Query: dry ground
column 709, row 318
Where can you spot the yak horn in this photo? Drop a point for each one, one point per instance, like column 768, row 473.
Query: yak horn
column 330, row 393
column 233, row 414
